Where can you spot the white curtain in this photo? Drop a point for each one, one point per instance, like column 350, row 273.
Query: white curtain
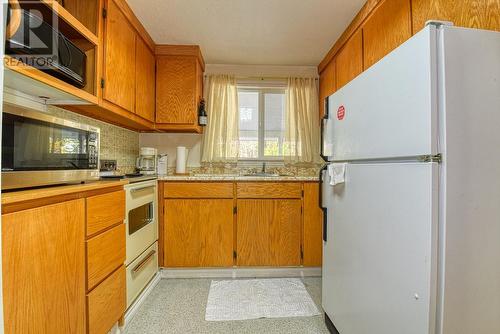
column 221, row 136
column 301, row 143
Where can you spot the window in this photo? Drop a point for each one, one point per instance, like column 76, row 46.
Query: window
column 262, row 123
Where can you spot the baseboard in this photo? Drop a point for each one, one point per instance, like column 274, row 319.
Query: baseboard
column 132, row 310
column 240, row 272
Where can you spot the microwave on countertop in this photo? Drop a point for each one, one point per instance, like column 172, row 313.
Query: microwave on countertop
column 39, row 149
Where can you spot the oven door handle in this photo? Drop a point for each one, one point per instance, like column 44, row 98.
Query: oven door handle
column 144, row 261
column 141, row 188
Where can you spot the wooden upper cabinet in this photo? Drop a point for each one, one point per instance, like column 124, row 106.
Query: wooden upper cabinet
column 481, row 14
column 349, row 61
column 119, row 58
column 43, row 256
column 179, row 82
column 145, row 81
column 327, row 84
column 387, row 28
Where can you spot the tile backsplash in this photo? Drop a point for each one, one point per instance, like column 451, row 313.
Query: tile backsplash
column 117, row 143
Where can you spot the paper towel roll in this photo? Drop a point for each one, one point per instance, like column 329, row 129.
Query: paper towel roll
column 180, row 164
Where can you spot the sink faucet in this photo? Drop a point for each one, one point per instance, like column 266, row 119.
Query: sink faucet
column 263, row 168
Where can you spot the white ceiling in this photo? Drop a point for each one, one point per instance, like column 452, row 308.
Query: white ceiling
column 262, row 32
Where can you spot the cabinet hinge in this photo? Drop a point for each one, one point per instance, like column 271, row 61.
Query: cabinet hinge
column 235, row 210
column 234, row 255
column 301, row 209
column 301, row 253
column 302, row 193
column 102, row 83
column 104, row 13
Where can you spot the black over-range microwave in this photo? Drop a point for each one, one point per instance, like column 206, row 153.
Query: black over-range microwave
column 39, row 149
column 34, row 39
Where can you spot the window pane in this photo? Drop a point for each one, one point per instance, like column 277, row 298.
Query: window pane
column 274, row 124
column 249, row 124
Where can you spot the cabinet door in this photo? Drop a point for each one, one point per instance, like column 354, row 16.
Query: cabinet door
column 145, row 102
column 198, row 232
column 387, row 28
column 480, row 14
column 119, row 58
column 326, row 85
column 349, row 61
column 176, row 90
column 313, row 227
column 268, row 232
column 43, row 258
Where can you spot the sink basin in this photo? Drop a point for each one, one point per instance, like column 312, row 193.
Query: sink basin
column 261, row 175
column 215, row 175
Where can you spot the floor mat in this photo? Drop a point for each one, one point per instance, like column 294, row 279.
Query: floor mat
column 258, row 298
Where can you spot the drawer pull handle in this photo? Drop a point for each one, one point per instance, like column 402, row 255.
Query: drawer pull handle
column 144, row 261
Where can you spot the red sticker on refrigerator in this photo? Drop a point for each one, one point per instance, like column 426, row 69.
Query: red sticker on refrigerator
column 341, row 113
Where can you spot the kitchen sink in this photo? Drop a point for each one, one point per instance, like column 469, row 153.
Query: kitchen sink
column 261, row 175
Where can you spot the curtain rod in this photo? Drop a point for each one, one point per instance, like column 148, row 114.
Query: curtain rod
column 265, row 78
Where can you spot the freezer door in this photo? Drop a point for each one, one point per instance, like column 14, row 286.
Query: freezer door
column 379, row 261
column 390, row 110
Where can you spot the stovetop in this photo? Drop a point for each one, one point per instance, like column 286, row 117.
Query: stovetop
column 108, row 171
column 132, row 178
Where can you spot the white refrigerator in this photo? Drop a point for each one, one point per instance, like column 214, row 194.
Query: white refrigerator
column 412, row 224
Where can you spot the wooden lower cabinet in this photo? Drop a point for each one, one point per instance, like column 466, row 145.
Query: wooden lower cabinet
column 99, row 215
column 247, row 224
column 105, row 253
column 269, row 232
column 313, row 227
column 55, row 278
column 198, row 232
column 43, row 258
column 107, row 302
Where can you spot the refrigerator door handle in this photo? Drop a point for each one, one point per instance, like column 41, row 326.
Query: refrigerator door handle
column 325, row 216
column 324, row 119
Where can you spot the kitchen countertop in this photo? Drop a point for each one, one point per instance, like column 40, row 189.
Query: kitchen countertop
column 14, row 197
column 232, row 178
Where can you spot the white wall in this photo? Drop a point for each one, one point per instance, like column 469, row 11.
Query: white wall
column 167, row 143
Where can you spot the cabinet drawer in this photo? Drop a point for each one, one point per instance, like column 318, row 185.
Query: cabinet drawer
column 268, row 190
column 105, row 253
column 198, row 190
column 107, row 303
column 104, row 211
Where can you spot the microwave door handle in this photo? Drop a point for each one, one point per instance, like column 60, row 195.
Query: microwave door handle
column 324, row 209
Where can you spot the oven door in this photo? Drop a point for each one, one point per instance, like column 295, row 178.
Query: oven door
column 142, row 218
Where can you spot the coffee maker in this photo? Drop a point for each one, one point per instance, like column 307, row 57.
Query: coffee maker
column 147, row 160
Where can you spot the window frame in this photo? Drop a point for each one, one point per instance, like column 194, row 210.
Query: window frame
column 261, row 124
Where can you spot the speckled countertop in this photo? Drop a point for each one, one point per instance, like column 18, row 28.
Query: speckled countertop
column 232, row 178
